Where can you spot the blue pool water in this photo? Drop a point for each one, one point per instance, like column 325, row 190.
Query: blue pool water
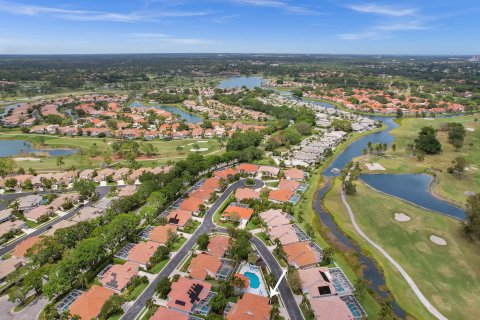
column 253, row 279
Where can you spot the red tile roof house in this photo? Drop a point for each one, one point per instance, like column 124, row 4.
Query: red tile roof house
column 294, row 174
column 218, row 245
column 280, row 196
column 331, row 308
column 179, row 218
column 250, row 169
column 142, row 252
column 212, row 183
column 21, row 249
column 203, row 194
column 301, row 255
column 246, row 193
column 316, row 282
column 168, row 314
column 89, row 304
column 118, row 276
column 290, row 185
column 225, row 173
column 160, row 234
column 274, row 218
column 192, row 205
column 285, row 233
column 241, row 212
column 185, row 293
column 204, row 265
column 250, row 307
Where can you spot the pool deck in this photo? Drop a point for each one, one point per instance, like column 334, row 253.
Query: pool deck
column 261, row 290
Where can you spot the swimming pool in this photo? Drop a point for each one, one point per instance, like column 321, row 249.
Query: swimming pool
column 253, row 279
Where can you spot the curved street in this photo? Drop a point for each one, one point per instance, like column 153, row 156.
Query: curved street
column 206, row 227
column 402, row 271
column 101, row 192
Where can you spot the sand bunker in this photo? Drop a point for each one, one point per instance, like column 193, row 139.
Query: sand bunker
column 437, row 240
column 199, row 150
column 374, row 166
column 470, row 129
column 402, row 217
column 26, row 159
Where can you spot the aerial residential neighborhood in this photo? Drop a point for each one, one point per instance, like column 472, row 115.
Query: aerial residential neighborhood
column 239, row 160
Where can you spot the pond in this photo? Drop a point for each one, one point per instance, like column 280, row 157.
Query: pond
column 10, row 148
column 355, row 149
column 238, row 82
column 188, row 117
column 413, row 188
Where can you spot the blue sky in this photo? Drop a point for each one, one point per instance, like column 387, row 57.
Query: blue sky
column 247, row 26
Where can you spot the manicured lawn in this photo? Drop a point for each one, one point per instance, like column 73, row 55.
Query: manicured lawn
column 193, row 226
column 167, row 150
column 159, row 266
column 179, row 243
column 448, row 186
column 251, row 226
column 447, row 275
column 263, row 236
column 136, row 292
column 184, row 268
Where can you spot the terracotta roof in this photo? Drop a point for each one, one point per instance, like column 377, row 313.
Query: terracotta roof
column 300, row 254
column 212, row 183
column 290, row 185
column 243, row 213
column 203, row 194
column 90, row 303
column 185, row 292
column 250, row 307
column 280, row 195
column 246, row 193
column 294, row 174
column 225, row 173
column 143, row 251
column 179, row 217
column 168, row 314
column 247, row 167
column 21, row 248
column 218, row 245
column 314, row 278
column 191, row 204
column 203, row 265
column 119, row 275
column 160, row 234
column 331, row 308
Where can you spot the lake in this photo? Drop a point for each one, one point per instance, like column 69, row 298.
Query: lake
column 356, row 148
column 188, row 117
column 9, row 148
column 413, row 188
column 238, row 82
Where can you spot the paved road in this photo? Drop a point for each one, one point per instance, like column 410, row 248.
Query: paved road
column 101, row 192
column 206, row 227
column 402, row 271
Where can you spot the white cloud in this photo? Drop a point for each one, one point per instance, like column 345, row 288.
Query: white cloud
column 278, row 4
column 412, row 25
column 379, row 9
column 84, row 15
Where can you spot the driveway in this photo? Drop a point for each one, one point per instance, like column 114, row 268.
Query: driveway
column 29, row 312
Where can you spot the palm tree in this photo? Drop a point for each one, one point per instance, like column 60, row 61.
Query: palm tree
column 150, row 304
column 60, row 162
column 237, row 282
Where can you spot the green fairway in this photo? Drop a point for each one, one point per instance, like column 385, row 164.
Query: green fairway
column 447, row 275
column 167, row 150
column 447, row 186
